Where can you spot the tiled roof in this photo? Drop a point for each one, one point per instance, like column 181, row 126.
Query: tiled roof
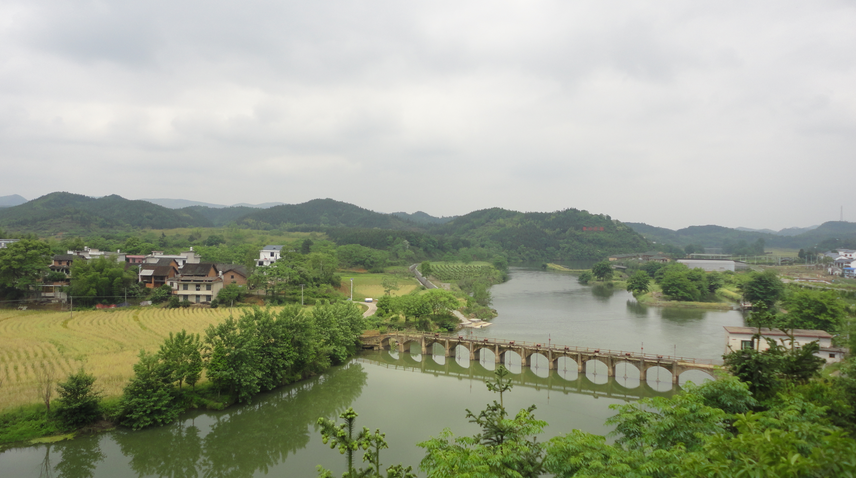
column 820, row 334
column 200, row 269
column 224, row 268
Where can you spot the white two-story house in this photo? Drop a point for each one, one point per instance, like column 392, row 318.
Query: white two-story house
column 268, row 255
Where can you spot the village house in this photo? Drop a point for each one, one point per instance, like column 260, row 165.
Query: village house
column 186, row 257
column 197, row 283
column 269, row 254
column 156, row 274
column 6, row 242
column 739, row 338
column 233, row 274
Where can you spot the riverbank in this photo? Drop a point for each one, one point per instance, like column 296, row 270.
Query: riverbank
column 655, row 298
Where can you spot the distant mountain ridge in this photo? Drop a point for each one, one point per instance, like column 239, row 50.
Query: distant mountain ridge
column 183, row 203
column 827, row 235
column 420, row 217
column 11, row 200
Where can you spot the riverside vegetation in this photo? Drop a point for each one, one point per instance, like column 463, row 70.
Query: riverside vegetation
column 263, row 349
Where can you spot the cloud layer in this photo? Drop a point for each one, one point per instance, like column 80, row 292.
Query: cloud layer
column 670, row 113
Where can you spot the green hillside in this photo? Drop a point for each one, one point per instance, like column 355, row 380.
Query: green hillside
column 75, row 213
column 220, row 216
column 555, row 236
column 323, row 212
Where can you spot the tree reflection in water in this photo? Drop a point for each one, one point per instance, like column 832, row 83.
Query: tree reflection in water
column 244, row 439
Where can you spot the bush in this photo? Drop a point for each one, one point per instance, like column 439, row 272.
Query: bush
column 79, row 402
column 214, row 304
column 149, row 397
column 173, row 302
column 161, row 294
column 185, row 303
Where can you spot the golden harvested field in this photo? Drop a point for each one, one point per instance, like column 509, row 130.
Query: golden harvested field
column 105, row 342
column 370, row 285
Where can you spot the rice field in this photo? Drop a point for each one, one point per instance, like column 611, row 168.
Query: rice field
column 105, row 342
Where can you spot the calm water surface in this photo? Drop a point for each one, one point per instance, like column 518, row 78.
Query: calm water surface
column 407, row 396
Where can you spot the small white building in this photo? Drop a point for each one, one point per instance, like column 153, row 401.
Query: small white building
column 740, row 338
column 709, row 265
column 269, row 254
column 6, row 242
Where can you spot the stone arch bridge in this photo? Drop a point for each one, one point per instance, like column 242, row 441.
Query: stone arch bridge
column 526, row 351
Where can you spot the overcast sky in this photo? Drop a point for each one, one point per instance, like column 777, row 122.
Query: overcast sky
column 673, row 113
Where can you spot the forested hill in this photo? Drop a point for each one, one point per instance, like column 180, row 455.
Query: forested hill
column 78, row 214
column 323, row 212
column 536, row 236
column 220, row 216
column 826, row 236
column 420, row 217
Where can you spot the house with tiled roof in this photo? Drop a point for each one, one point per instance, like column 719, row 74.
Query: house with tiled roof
column 233, row 274
column 739, row 338
column 156, row 274
column 197, row 283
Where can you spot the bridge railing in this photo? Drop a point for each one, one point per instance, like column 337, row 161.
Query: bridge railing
column 562, row 348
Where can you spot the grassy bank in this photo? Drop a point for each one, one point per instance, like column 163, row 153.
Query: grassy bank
column 557, row 267
column 655, row 298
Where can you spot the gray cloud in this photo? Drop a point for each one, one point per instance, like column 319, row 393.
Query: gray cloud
column 669, row 113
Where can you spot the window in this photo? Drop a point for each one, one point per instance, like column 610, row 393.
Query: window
column 207, row 298
column 271, row 254
column 831, row 355
column 746, row 345
column 207, row 286
column 198, row 287
column 261, row 263
column 232, row 277
column 197, row 299
column 185, row 287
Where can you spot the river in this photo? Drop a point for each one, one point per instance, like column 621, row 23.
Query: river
column 409, row 397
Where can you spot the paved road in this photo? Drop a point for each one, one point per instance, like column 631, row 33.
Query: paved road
column 475, row 323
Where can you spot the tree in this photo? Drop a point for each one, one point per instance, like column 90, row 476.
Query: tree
column 342, row 437
column 231, row 294
column 79, row 402
column 481, row 293
column 181, row 355
column 306, row 246
column 763, row 287
column 677, row 283
column 425, row 269
column 161, row 294
column 440, row 301
column 102, row 278
column 585, row 278
column 602, row 270
column 815, row 309
column 504, row 447
column 389, row 284
column 638, row 282
column 22, row 266
column 45, row 386
column 149, row 398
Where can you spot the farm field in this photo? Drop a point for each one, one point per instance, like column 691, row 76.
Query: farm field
column 105, row 342
column 367, row 284
column 452, row 271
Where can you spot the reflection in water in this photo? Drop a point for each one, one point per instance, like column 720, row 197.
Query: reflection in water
column 637, row 309
column 79, row 460
column 602, row 292
column 681, row 315
column 540, row 379
column 171, row 451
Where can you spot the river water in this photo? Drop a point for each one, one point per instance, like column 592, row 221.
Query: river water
column 407, row 396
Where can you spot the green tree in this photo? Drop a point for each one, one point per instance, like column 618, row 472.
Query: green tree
column 22, row 266
column 815, row 309
column 389, row 284
column 161, row 294
column 440, row 301
column 481, row 293
column 602, row 270
column 79, row 402
column 149, row 398
column 504, row 447
column 425, row 269
column 306, row 246
column 763, row 287
column 638, row 282
column 585, row 278
column 231, row 293
column 181, row 354
column 100, row 280
column 677, row 283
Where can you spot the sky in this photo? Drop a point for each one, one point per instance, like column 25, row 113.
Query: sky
column 672, row 113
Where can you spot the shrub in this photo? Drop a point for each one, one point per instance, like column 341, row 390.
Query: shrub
column 79, row 402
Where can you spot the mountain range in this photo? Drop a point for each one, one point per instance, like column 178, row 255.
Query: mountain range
column 527, row 233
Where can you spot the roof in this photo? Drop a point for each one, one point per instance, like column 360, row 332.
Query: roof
column 224, row 268
column 819, row 334
column 200, row 269
column 272, row 248
column 66, row 257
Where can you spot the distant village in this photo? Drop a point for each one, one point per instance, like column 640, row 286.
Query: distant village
column 189, row 278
